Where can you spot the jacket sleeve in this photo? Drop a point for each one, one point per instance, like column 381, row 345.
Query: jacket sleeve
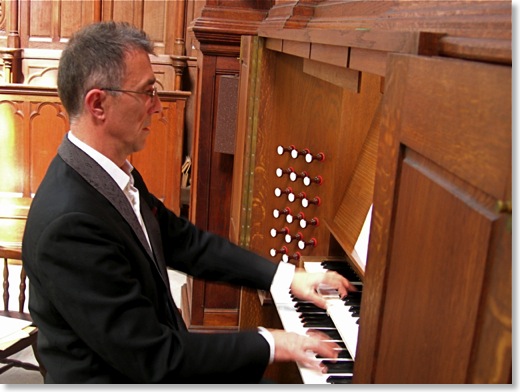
column 98, row 307
column 204, row 254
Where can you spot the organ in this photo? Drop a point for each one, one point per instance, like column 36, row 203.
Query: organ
column 410, row 103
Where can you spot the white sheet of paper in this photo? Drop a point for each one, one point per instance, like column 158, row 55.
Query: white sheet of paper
column 10, row 326
column 361, row 246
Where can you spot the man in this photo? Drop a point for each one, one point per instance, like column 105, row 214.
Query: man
column 97, row 244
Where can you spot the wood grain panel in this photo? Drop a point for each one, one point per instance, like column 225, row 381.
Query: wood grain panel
column 49, row 24
column 437, row 241
column 11, row 146
column 160, row 162
column 306, row 112
column 435, row 271
column 480, row 107
column 47, row 126
column 34, row 123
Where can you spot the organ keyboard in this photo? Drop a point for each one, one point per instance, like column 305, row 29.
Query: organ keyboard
column 340, row 321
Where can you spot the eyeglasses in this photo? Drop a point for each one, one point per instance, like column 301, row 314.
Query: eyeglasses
column 151, row 93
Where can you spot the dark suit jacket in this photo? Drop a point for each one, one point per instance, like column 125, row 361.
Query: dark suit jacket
column 100, row 297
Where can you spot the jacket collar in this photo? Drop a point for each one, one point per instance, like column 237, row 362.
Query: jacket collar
column 96, row 176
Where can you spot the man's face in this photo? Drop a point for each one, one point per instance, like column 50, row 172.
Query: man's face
column 130, row 113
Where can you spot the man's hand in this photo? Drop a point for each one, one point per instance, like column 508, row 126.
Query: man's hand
column 305, row 285
column 302, row 349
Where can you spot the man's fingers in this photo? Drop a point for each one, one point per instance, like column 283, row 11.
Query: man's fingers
column 323, row 346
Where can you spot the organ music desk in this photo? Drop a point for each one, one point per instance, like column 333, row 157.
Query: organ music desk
column 412, row 122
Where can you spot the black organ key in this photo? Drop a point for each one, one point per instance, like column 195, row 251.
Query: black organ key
column 340, row 366
column 330, row 332
column 318, row 323
column 339, row 380
column 353, row 298
column 342, row 354
column 342, row 268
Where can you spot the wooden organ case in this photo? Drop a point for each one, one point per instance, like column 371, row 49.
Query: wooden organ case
column 407, row 118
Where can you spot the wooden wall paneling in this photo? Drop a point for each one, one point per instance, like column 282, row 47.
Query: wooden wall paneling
column 75, row 14
column 49, row 24
column 11, row 146
column 38, row 125
column 161, row 160
column 157, row 18
column 34, row 123
column 437, row 239
column 40, row 67
column 130, row 11
column 48, row 124
column 37, row 28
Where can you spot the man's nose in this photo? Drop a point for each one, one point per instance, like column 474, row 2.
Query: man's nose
column 157, row 105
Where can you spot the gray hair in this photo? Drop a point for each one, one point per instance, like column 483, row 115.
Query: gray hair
column 95, row 57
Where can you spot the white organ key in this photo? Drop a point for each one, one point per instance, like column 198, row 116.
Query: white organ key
column 346, row 324
column 343, row 320
column 290, row 317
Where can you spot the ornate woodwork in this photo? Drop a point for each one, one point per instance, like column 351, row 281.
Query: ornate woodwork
column 34, row 123
column 411, row 103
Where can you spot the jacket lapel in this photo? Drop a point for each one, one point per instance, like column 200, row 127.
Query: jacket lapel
column 96, row 176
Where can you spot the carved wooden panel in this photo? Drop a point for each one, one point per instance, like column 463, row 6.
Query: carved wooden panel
column 32, row 130
column 157, row 18
column 47, row 125
column 49, row 24
column 33, row 123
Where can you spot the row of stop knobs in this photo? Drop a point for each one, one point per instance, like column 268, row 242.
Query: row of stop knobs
column 295, row 153
column 292, row 196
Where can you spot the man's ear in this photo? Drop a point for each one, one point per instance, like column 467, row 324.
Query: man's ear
column 95, row 102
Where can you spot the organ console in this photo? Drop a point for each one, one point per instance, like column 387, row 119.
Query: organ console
column 402, row 108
